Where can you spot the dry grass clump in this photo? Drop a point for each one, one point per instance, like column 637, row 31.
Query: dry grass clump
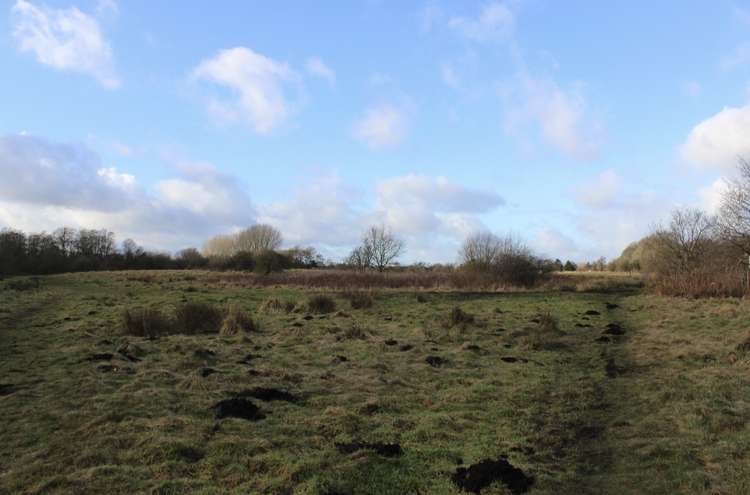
column 458, row 316
column 699, row 285
column 321, row 304
column 145, row 322
column 197, row 317
column 359, row 299
column 542, row 337
column 236, row 321
column 190, row 318
column 274, row 305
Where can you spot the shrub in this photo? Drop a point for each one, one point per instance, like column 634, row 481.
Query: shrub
column 145, row 322
column 271, row 305
column 321, row 304
column 458, row 316
column 197, row 317
column 243, row 261
column 236, row 321
column 270, row 261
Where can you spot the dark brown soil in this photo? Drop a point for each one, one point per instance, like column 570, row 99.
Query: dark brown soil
column 7, row 388
column 479, row 476
column 104, row 356
column 237, row 408
column 614, row 329
column 435, row 361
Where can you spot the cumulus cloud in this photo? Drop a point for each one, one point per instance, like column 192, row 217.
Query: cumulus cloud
column 718, row 141
column 58, row 184
column 711, row 195
column 324, row 212
column 258, row 87
column 66, row 39
column 382, row 127
column 601, row 192
column 433, row 214
column 561, row 115
column 494, row 22
column 317, row 68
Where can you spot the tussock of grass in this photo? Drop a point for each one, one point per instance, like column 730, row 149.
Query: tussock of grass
column 274, row 305
column 321, row 304
column 197, row 317
column 236, row 321
column 192, row 318
column 145, row 322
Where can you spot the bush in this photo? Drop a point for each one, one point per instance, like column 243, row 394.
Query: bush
column 321, row 304
column 145, row 322
column 270, row 261
column 236, row 321
column 197, row 317
column 243, row 261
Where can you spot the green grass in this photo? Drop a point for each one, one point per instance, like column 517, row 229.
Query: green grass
column 672, row 419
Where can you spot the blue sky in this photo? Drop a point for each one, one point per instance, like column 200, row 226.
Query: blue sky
column 575, row 125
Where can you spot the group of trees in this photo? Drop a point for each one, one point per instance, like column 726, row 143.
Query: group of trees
column 68, row 249
column 697, row 253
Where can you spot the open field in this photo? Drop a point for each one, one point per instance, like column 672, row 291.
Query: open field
column 643, row 395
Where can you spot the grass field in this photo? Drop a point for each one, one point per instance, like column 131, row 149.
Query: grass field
column 390, row 399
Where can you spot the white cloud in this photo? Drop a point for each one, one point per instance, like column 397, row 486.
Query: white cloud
column 562, row 116
column 66, row 39
column 316, row 67
column 257, row 87
column 711, row 195
column 719, row 140
column 382, row 127
column 495, row 22
column 601, row 192
column 432, row 214
column 57, row 184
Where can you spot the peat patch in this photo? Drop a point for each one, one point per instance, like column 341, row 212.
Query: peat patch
column 104, row 356
column 405, row 347
column 511, row 359
column 479, row 476
column 435, row 361
column 614, row 329
column 592, row 312
column 237, row 408
column 7, row 389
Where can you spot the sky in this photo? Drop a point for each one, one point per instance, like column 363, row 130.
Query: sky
column 576, row 126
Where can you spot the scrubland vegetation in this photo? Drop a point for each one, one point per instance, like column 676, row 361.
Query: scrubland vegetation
column 248, row 368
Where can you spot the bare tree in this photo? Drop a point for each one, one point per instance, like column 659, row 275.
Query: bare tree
column 685, row 244
column 360, row 258
column 480, row 250
column 379, row 248
column 258, row 238
column 734, row 213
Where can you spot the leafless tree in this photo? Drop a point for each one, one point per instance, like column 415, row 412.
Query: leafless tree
column 480, row 250
column 379, row 249
column 220, row 246
column 360, row 258
column 685, row 244
column 734, row 213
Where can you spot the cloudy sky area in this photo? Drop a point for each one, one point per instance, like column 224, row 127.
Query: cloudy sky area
column 576, row 125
